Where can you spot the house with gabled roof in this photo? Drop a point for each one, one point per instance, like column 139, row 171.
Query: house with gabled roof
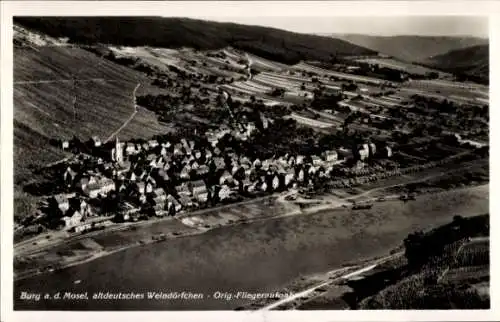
column 185, row 201
column 275, row 182
column 372, row 148
column 225, row 192
column 194, row 164
column 72, row 220
column 235, row 169
column 159, row 192
column 159, row 210
column 179, row 149
column 197, row 154
column 185, row 172
column 69, row 176
column 160, row 162
column 140, row 187
column 289, row 177
column 131, row 176
column 202, row 170
column 262, row 186
column 245, row 160
column 96, row 141
column 60, row 202
column 186, row 159
column 130, row 148
column 282, row 161
column 313, row 170
column 248, row 172
column 219, row 163
column 152, row 144
column 149, row 187
column 266, row 164
column 173, row 205
column 225, row 178
column 257, row 163
column 183, row 189
column 388, row 151
column 316, row 160
column 330, row 156
column 301, row 175
column 101, row 186
column 82, row 183
column 163, row 175
column 197, row 187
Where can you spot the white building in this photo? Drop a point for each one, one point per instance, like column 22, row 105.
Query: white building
column 224, row 192
column 373, row 149
column 117, row 151
column 331, row 156
column 73, row 220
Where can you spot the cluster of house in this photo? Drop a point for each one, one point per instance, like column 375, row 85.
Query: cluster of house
column 367, row 150
column 162, row 178
column 74, row 212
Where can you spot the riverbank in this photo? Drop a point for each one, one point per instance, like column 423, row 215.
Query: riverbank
column 114, row 241
column 149, row 239
column 260, row 256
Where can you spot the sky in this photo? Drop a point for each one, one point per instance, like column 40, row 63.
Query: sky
column 382, row 26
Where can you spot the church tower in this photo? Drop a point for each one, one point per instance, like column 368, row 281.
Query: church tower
column 117, row 152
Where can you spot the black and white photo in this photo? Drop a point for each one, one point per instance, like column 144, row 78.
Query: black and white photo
column 250, row 163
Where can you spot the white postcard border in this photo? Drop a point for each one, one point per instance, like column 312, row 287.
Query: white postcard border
column 203, row 9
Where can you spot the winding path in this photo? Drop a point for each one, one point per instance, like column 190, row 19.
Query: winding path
column 134, row 102
column 329, row 282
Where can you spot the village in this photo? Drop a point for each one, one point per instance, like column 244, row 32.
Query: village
column 126, row 181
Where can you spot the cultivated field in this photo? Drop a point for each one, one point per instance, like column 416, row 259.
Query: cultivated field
column 312, row 122
column 321, row 71
column 461, row 92
column 398, row 65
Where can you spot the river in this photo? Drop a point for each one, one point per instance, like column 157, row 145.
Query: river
column 256, row 257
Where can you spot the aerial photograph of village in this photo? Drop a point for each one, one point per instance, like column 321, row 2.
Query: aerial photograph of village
column 184, row 164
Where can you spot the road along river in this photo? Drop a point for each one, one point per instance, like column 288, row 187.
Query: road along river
column 213, row 267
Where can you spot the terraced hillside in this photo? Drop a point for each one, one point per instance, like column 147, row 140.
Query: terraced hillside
column 49, row 105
